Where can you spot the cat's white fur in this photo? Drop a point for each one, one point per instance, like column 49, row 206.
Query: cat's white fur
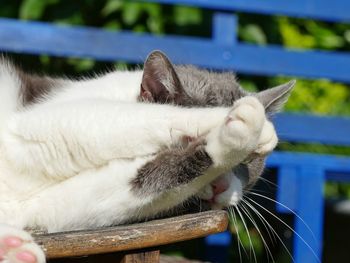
column 66, row 163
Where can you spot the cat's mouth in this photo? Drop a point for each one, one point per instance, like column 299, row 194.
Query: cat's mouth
column 225, row 191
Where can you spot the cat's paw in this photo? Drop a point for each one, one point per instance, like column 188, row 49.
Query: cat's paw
column 17, row 246
column 243, row 124
column 267, row 140
column 238, row 136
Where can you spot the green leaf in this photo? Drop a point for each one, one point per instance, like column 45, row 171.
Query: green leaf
column 249, row 85
column 34, row 9
column 111, row 6
column 347, row 35
column 325, row 37
column 253, row 33
column 187, row 15
column 112, row 25
column 332, row 42
column 81, row 64
column 131, row 12
column 74, row 19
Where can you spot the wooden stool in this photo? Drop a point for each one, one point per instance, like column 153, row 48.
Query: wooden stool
column 130, row 243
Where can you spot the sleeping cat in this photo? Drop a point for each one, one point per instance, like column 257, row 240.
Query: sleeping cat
column 123, row 147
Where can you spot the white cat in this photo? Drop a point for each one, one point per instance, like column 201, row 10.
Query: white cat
column 123, row 147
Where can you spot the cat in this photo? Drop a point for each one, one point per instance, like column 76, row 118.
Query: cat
column 123, row 147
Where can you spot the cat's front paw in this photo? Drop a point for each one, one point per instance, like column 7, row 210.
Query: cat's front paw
column 17, row 246
column 243, row 124
column 267, row 140
column 230, row 143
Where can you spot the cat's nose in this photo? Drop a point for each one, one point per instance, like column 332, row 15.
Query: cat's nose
column 219, row 186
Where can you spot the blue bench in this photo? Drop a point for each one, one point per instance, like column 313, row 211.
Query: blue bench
column 300, row 176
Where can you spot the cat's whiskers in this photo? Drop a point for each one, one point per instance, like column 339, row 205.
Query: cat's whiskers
column 251, row 248
column 247, row 192
column 286, row 207
column 266, row 226
column 268, row 182
column 272, row 229
column 250, row 217
column 239, row 243
column 285, row 224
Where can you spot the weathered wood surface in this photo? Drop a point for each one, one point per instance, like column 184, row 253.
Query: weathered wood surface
column 142, row 257
column 130, row 237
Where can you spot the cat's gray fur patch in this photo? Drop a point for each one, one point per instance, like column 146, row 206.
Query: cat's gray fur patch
column 207, row 88
column 35, row 87
column 172, row 168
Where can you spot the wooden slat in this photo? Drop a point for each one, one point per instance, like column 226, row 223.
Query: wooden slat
column 137, row 236
column 142, row 257
column 224, row 29
column 310, row 204
column 313, row 129
column 332, row 163
column 336, row 10
column 43, row 38
column 175, row 259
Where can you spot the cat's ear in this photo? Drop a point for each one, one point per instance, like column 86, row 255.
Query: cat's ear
column 160, row 82
column 274, row 99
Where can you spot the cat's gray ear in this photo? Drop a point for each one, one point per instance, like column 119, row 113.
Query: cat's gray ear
column 160, row 82
column 274, row 99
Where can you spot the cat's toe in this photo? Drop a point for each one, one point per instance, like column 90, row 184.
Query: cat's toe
column 244, row 123
column 17, row 246
column 26, row 256
column 268, row 139
column 26, row 253
column 250, row 111
column 206, row 193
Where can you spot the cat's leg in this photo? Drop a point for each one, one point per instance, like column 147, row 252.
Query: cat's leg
column 138, row 189
column 172, row 167
column 224, row 147
column 196, row 168
column 62, row 140
column 18, row 246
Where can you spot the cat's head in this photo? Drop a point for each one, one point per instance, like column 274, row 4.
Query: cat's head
column 190, row 86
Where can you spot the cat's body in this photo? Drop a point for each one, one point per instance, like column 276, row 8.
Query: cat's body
column 92, row 153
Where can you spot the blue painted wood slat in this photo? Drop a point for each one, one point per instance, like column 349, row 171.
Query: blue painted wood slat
column 38, row 38
column 313, row 129
column 336, row 10
column 287, row 188
column 17, row 36
column 307, row 244
column 316, row 9
column 326, row 162
column 225, row 28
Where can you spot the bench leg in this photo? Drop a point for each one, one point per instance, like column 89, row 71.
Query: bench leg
column 141, row 257
column 310, row 208
column 138, row 256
